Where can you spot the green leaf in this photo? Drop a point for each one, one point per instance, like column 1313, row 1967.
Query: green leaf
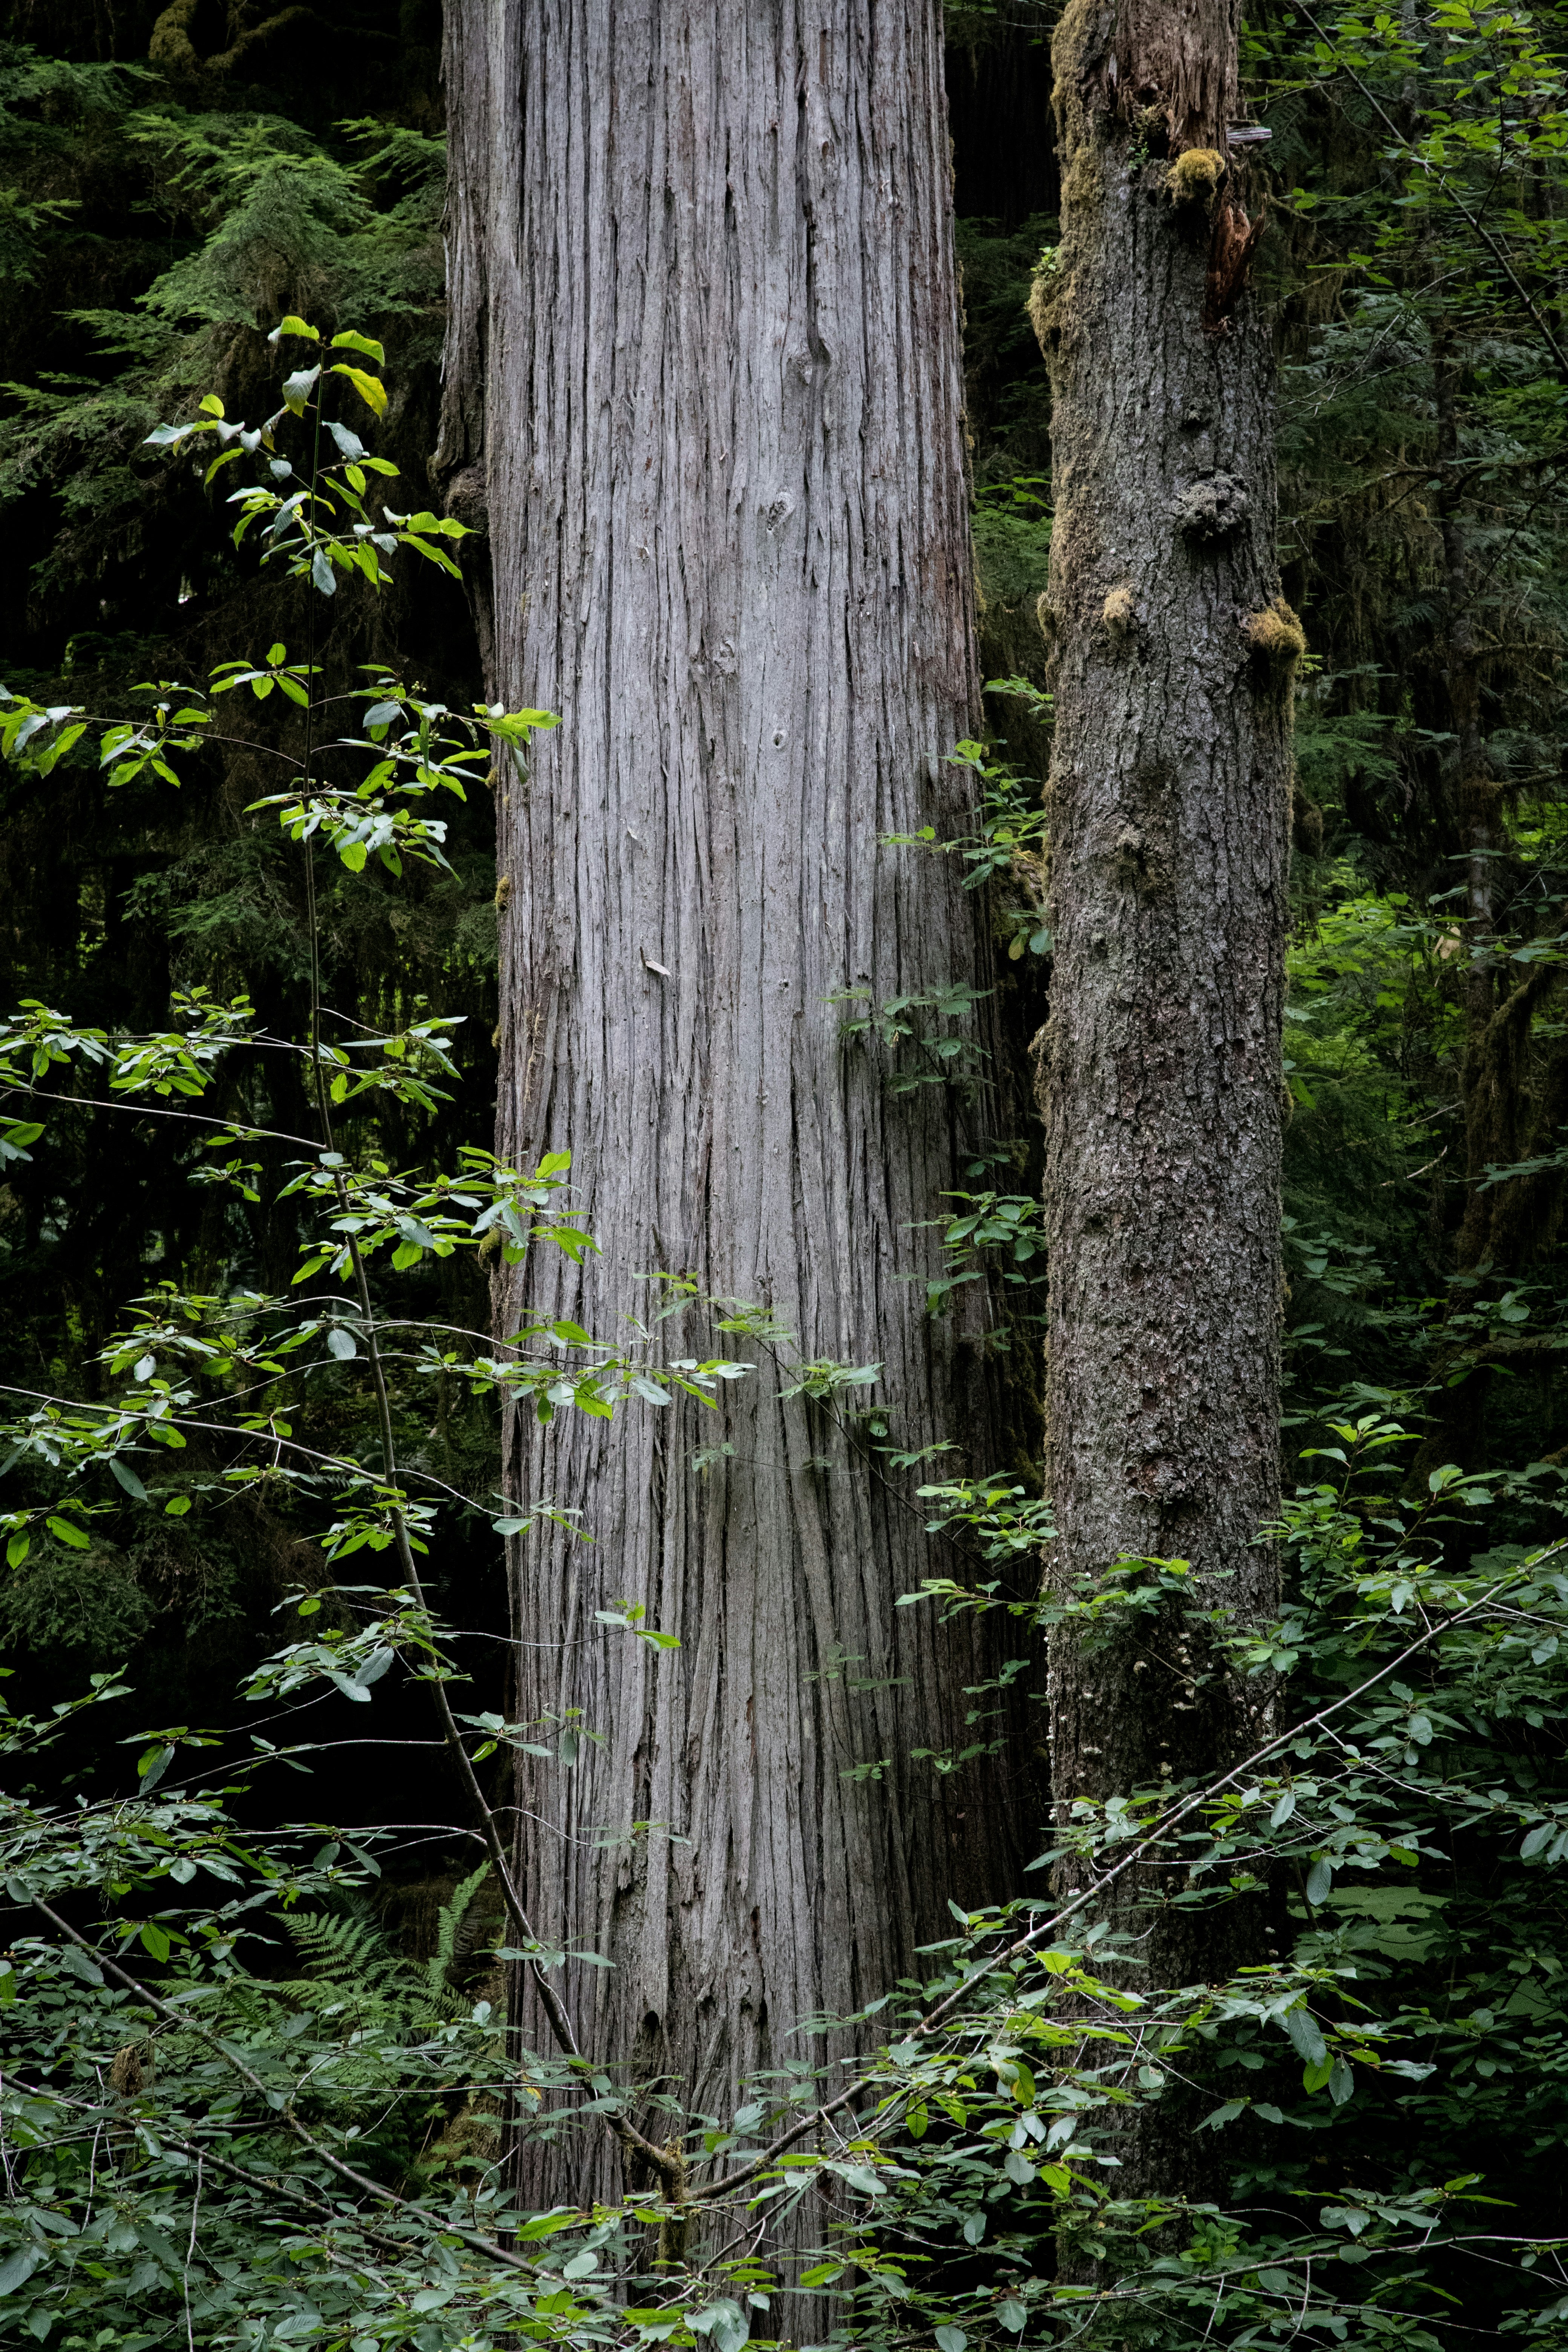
column 294, row 325
column 176, row 1507
column 369, row 389
column 861, row 2177
column 297, row 387
column 951, row 2340
column 545, row 2225
column 351, row 341
column 18, row 2268
column 154, row 1940
column 65, row 1531
column 128, row 1479
column 1306, row 2036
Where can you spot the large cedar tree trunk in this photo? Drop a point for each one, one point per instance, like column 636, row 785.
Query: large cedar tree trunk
column 705, row 378
column 1168, row 810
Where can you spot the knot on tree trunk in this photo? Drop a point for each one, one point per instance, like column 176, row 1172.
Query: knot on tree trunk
column 1211, row 509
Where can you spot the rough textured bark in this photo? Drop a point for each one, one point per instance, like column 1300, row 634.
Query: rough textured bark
column 705, row 366
column 1176, row 60
column 1169, row 813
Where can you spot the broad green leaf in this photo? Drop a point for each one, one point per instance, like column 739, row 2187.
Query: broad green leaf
column 18, row 2267
column 1306, row 2035
column 368, row 387
column 298, row 388
column 545, row 2225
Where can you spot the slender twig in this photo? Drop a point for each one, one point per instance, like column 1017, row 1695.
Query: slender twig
column 1157, row 1835
column 187, row 2024
column 190, row 2257
column 248, row 1134
column 1472, row 220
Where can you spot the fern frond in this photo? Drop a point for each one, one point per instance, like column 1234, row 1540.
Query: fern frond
column 341, row 1947
column 454, row 1938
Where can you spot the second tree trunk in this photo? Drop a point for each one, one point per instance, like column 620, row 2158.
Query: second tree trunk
column 1174, row 661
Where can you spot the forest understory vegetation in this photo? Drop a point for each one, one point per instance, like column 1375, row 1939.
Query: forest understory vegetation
column 287, row 2045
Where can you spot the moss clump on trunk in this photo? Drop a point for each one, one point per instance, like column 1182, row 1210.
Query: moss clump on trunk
column 1195, row 174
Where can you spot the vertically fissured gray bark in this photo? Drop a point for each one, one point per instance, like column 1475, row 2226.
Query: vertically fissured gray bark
column 705, row 380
